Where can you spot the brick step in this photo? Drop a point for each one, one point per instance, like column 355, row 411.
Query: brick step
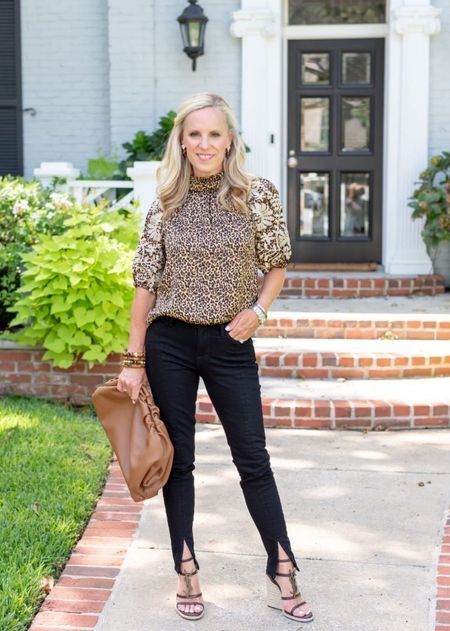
column 412, row 317
column 359, row 285
column 359, row 404
column 351, row 359
column 351, row 326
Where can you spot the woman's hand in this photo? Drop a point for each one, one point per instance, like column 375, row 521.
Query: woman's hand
column 130, row 381
column 243, row 325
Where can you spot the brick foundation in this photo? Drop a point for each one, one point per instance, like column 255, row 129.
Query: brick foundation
column 22, row 371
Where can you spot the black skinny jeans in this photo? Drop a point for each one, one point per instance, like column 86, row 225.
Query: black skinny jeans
column 178, row 354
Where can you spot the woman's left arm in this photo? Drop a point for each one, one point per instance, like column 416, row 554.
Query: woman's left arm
column 273, row 252
column 271, row 287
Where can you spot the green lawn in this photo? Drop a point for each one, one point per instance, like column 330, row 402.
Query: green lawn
column 53, row 464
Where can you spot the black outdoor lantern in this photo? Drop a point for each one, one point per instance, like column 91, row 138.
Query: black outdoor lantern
column 192, row 25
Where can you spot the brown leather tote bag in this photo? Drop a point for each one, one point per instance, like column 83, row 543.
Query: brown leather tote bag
column 138, row 437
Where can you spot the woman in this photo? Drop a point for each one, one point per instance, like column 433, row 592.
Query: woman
column 195, row 310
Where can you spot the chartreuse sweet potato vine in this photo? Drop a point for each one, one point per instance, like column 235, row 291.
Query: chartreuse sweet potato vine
column 77, row 287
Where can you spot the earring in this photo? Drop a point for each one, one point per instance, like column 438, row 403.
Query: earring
column 227, row 151
column 183, row 150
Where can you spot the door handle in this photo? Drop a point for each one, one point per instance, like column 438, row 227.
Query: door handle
column 292, row 162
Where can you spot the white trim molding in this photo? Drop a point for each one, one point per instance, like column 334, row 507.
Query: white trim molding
column 417, row 18
column 261, row 86
column 406, row 131
column 257, row 21
column 335, row 31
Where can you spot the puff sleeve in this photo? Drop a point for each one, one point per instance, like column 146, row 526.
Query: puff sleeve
column 149, row 261
column 272, row 245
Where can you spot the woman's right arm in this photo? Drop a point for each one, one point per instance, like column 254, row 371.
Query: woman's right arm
column 131, row 379
column 147, row 268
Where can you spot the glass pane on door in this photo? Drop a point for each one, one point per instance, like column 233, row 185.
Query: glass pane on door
column 337, row 11
column 314, row 199
column 356, row 68
column 314, row 124
column 355, row 113
column 355, row 197
column 316, row 68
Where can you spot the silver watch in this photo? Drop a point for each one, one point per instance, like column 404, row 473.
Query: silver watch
column 260, row 312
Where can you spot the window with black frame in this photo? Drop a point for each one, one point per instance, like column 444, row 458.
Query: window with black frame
column 337, row 11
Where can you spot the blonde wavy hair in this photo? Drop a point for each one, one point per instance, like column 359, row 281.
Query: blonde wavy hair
column 175, row 170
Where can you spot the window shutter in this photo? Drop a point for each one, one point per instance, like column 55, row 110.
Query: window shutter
column 10, row 89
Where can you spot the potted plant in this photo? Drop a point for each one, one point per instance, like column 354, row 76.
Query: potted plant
column 431, row 200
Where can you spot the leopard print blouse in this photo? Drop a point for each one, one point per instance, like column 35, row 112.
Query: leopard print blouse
column 202, row 262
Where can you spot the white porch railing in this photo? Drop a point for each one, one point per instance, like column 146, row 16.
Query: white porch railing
column 91, row 191
column 142, row 184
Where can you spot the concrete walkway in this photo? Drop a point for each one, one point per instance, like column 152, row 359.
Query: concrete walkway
column 365, row 513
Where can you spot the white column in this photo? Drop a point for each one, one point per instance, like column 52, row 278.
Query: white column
column 259, row 26
column 49, row 170
column 411, row 25
column 143, row 175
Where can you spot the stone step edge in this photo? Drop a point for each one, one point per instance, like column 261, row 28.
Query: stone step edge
column 398, row 320
column 81, row 592
column 340, row 414
column 335, row 365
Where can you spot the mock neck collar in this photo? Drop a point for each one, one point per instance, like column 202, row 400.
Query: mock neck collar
column 209, row 183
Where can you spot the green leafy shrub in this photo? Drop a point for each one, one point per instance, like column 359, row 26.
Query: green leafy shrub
column 27, row 210
column 102, row 168
column 148, row 146
column 143, row 147
column 431, row 200
column 77, row 287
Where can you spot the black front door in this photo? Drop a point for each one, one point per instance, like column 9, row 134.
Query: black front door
column 335, row 138
column 10, row 89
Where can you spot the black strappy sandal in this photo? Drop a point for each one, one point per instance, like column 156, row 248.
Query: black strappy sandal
column 275, row 599
column 187, row 578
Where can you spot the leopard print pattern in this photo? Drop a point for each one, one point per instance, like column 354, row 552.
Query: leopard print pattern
column 202, row 262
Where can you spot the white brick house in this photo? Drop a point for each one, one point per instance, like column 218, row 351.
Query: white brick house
column 356, row 108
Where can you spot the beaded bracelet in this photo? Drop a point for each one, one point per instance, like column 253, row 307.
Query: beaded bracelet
column 127, row 364
column 131, row 359
column 133, row 354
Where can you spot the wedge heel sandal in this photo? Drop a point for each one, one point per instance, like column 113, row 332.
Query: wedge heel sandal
column 276, row 600
column 188, row 596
